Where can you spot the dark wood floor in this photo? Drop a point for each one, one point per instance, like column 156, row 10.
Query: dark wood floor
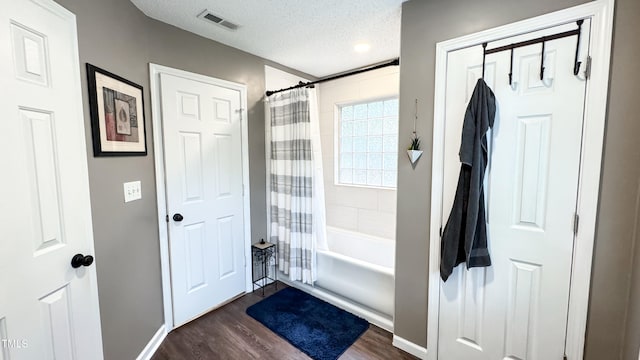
column 229, row 333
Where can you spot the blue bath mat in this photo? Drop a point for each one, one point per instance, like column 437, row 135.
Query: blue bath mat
column 317, row 328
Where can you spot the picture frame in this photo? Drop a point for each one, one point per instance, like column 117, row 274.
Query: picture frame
column 117, row 114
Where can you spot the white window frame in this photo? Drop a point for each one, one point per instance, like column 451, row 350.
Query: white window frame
column 337, row 128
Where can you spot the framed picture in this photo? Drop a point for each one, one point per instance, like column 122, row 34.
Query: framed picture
column 117, row 114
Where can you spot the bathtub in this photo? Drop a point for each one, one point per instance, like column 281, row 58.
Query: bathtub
column 360, row 268
column 356, row 274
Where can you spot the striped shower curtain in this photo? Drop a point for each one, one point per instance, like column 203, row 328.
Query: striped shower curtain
column 292, row 183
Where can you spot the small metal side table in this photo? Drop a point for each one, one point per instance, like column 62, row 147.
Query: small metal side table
column 262, row 254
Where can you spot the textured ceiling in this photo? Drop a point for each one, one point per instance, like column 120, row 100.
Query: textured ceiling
column 313, row 36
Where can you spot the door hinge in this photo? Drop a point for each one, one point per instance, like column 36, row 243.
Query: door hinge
column 576, row 223
column 167, row 218
column 440, row 231
column 587, row 68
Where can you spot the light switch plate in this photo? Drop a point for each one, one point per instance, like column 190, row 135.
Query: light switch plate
column 132, row 191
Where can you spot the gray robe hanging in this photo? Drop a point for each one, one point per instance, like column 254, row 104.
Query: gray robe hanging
column 465, row 236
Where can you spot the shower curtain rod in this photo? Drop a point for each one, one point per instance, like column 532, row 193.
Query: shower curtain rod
column 394, row 62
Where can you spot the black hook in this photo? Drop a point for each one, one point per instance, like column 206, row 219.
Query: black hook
column 576, row 66
column 542, row 59
column 484, row 55
column 511, row 68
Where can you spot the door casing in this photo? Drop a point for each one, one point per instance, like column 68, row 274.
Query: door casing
column 158, row 147
column 601, row 13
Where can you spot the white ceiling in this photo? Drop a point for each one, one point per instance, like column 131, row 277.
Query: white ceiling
column 313, row 36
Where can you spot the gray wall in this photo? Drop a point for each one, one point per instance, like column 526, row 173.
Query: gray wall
column 116, row 36
column 622, row 165
column 424, row 23
column 126, row 236
column 617, row 218
column 632, row 336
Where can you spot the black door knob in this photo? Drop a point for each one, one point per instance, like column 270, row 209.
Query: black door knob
column 81, row 260
column 178, row 217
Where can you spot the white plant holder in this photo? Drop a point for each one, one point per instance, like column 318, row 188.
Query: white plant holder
column 414, row 155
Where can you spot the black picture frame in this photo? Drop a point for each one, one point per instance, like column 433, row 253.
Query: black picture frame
column 117, row 114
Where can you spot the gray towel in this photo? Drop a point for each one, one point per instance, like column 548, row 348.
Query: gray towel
column 465, row 236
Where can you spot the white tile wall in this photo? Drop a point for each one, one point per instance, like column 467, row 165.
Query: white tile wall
column 377, row 223
column 352, row 195
column 387, row 201
column 326, row 127
column 345, row 217
column 368, row 210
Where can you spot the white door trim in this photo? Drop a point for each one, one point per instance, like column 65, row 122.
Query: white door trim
column 601, row 13
column 153, row 344
column 158, row 148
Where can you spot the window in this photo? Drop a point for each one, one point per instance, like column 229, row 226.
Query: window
column 368, row 144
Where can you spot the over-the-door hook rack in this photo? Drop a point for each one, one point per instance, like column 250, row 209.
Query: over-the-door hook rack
column 543, row 40
column 511, row 70
column 484, row 55
column 576, row 66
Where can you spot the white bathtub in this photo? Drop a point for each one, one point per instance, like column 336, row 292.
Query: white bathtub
column 355, row 274
column 360, row 268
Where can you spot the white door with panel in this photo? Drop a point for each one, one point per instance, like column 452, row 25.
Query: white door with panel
column 203, row 170
column 517, row 308
column 48, row 309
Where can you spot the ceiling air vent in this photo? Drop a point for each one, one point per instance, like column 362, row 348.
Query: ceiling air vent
column 208, row 16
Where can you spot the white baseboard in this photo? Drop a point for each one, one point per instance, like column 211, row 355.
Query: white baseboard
column 153, row 344
column 409, row 347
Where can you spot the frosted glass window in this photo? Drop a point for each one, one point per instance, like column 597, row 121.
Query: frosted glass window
column 390, row 143
column 389, row 179
column 368, row 144
column 360, row 111
column 375, row 144
column 374, row 161
column 389, row 126
column 347, row 128
column 359, row 161
column 375, row 127
column 359, row 144
column 374, row 177
column 391, row 107
column 375, row 109
column 346, row 160
column 347, row 113
column 360, row 128
column 346, row 144
column 346, row 175
column 360, row 177
column 390, row 162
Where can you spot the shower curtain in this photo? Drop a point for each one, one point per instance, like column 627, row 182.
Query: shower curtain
column 296, row 190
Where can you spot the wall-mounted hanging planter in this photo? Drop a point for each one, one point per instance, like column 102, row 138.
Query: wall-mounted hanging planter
column 414, row 155
column 414, row 151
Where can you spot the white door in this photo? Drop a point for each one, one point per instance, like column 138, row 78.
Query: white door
column 203, row 169
column 517, row 308
column 48, row 310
